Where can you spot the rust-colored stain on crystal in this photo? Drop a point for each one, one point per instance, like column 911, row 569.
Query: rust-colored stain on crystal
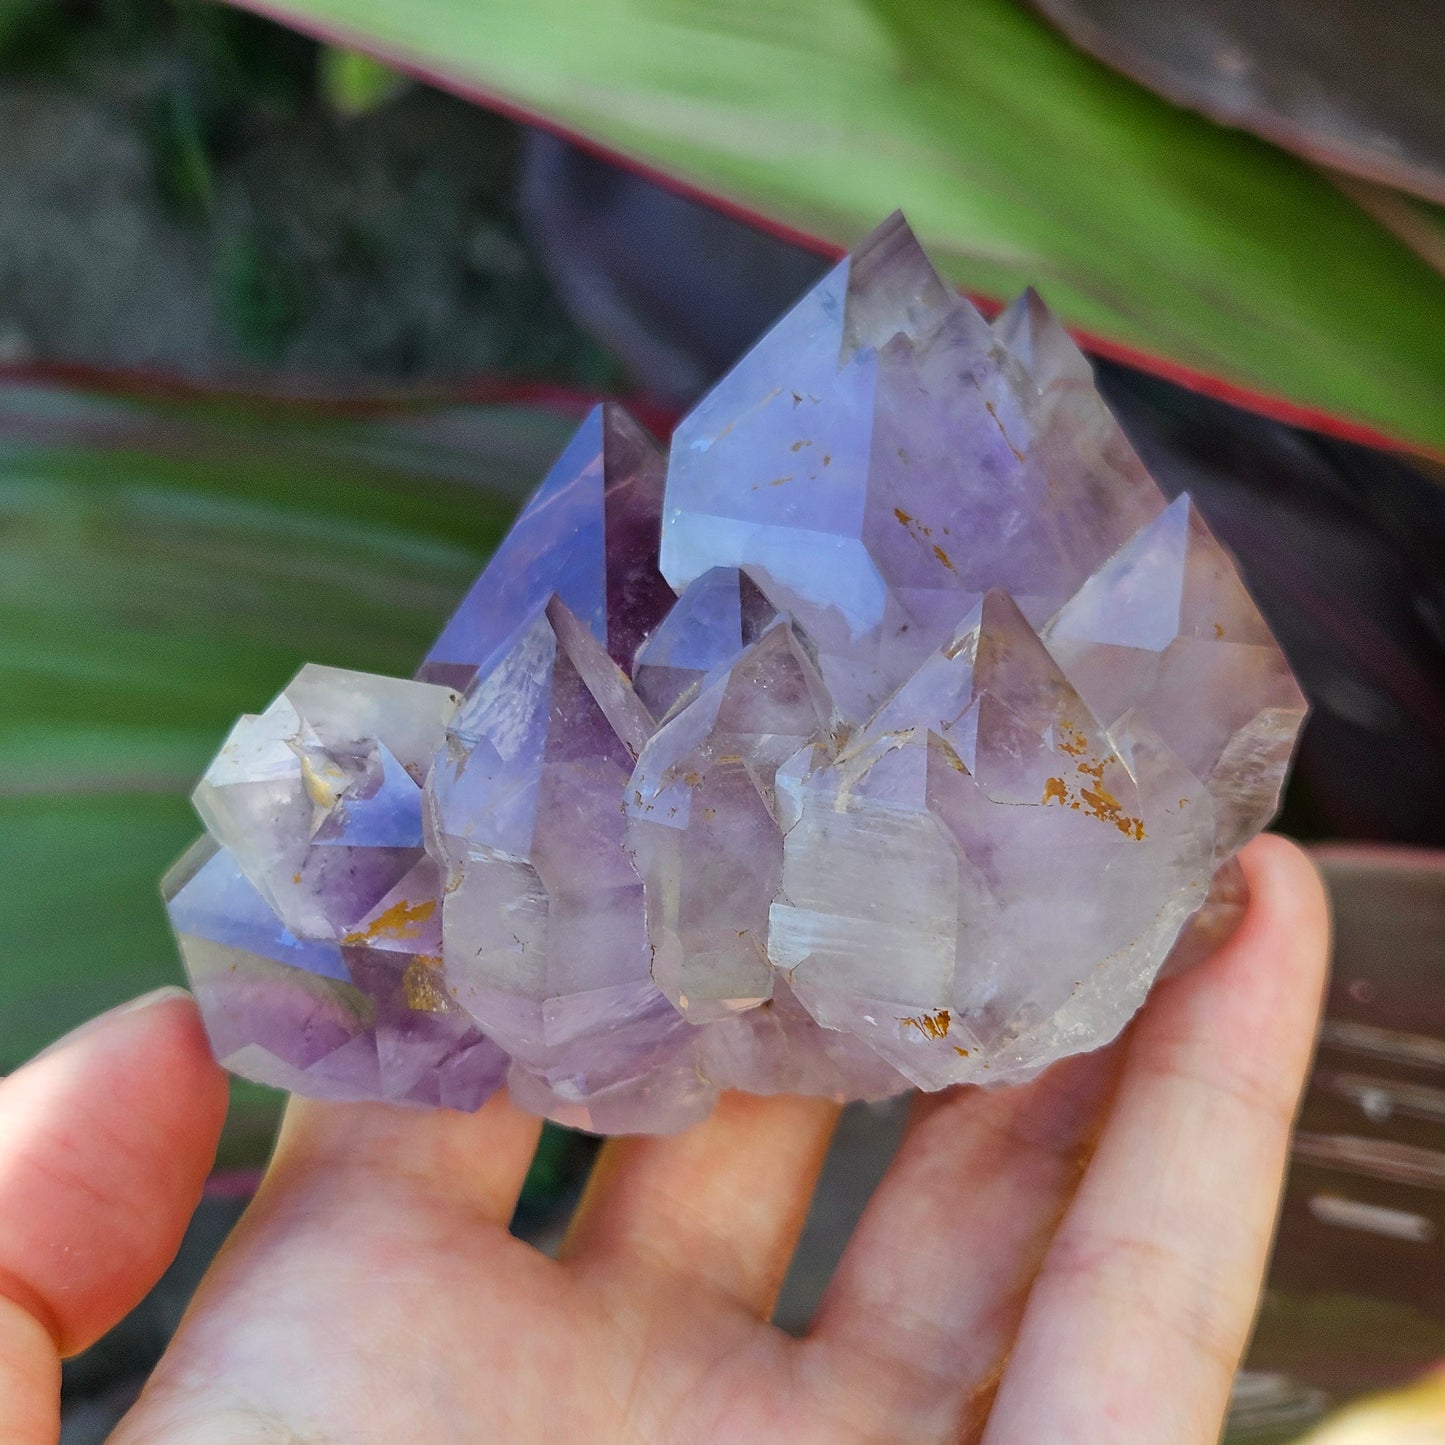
column 961, row 1052
column 295, row 877
column 1096, row 800
column 1072, row 741
column 931, row 1026
column 1218, row 631
column 1102, row 803
column 401, row 920
column 419, row 985
column 993, row 412
column 921, row 533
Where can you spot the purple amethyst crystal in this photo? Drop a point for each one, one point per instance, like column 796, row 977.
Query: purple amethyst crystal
column 888, row 734
column 309, row 919
column 590, row 534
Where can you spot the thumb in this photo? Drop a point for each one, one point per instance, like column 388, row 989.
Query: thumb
column 105, row 1141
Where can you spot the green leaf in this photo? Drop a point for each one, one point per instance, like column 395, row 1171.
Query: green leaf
column 1018, row 159
column 354, row 83
column 164, row 568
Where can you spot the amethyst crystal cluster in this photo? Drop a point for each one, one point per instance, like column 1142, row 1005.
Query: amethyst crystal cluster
column 886, row 734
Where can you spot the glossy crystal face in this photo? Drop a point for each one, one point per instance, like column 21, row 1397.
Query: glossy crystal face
column 886, row 733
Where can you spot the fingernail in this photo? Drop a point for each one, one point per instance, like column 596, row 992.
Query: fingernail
column 100, row 1021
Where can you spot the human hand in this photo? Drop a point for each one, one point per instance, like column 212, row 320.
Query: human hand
column 1072, row 1260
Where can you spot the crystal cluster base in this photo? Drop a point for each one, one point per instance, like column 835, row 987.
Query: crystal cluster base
column 888, row 733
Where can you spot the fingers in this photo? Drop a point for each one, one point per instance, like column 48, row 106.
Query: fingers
column 1143, row 1304
column 928, row 1294
column 718, row 1208
column 370, row 1285
column 473, row 1164
column 105, row 1142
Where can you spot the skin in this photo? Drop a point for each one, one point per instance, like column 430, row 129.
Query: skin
column 1073, row 1260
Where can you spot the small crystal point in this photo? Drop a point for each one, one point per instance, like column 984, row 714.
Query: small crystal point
column 893, row 288
column 1037, row 338
column 722, row 613
column 1167, row 626
column 899, row 736
column 318, row 798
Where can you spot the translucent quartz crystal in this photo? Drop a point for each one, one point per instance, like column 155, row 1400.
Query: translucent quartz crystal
column 896, row 731
column 703, row 831
column 882, row 458
column 313, row 938
column 318, row 798
column 543, row 917
column 590, row 534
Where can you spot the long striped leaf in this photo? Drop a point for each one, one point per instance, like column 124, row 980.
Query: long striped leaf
column 1018, row 158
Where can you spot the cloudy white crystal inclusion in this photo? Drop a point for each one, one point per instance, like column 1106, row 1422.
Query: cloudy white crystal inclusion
column 887, row 734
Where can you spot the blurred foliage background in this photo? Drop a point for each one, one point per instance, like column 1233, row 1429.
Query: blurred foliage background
column 287, row 333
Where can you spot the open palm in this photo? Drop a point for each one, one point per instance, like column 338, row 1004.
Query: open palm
column 1076, row 1259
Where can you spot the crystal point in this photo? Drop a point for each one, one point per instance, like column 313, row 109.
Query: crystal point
column 895, row 732
column 543, row 924
column 703, row 829
column 318, row 798
column 335, row 1020
column 589, row 534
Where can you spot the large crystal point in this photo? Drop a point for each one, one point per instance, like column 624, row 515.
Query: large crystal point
column 590, row 534
column 882, row 458
column 543, row 919
column 895, row 732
